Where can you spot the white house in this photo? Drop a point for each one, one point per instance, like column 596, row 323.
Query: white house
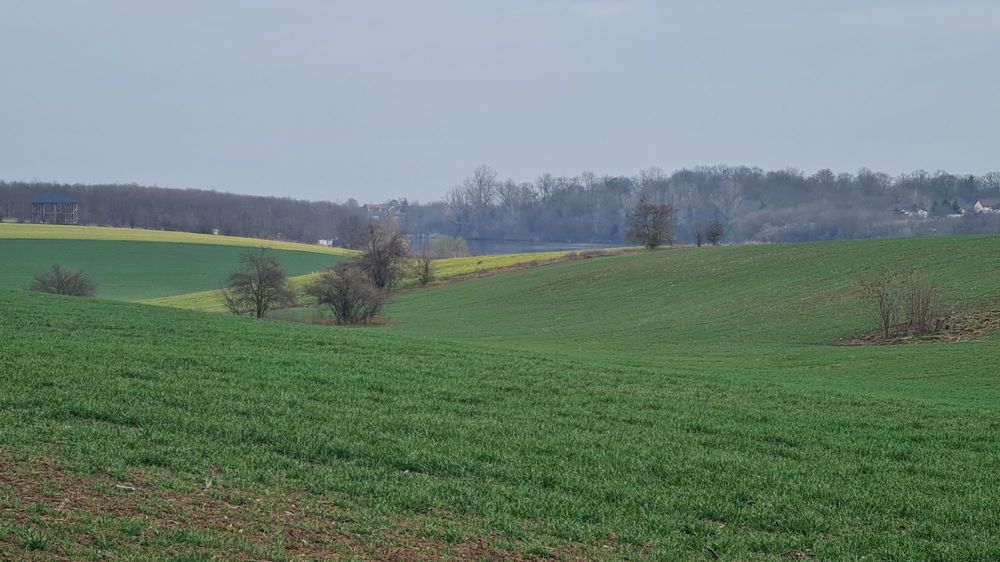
column 987, row 206
column 914, row 211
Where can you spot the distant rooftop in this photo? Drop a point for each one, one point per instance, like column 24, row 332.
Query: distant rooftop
column 54, row 198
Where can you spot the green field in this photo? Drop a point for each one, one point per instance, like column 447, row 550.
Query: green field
column 137, row 270
column 685, row 404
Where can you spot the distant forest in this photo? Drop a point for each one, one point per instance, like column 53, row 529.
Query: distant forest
column 754, row 206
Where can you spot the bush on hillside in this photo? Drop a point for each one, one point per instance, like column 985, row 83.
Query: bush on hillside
column 423, row 268
column 443, row 247
column 61, row 281
column 904, row 299
column 349, row 293
column 922, row 306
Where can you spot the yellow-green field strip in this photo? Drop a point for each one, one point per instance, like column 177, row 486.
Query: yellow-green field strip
column 444, row 269
column 65, row 232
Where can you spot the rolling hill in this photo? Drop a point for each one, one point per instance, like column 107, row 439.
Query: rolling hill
column 679, row 404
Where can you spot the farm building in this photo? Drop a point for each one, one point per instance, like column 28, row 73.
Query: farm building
column 987, row 206
column 55, row 208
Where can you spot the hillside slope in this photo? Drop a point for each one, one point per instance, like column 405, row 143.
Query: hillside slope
column 550, row 451
column 638, row 303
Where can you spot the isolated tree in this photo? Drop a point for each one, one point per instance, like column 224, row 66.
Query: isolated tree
column 715, row 232
column 258, row 286
column 349, row 293
column 884, row 296
column 61, row 281
column 699, row 236
column 651, row 224
column 383, row 253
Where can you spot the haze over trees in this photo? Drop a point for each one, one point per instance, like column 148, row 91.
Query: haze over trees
column 750, row 203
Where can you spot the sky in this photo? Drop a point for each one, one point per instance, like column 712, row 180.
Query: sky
column 330, row 100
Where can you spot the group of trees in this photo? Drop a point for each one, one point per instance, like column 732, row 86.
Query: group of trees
column 903, row 301
column 355, row 292
column 652, row 225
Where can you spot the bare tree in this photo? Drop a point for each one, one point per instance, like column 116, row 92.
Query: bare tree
column 481, row 187
column 349, row 293
column 651, row 224
column 383, row 252
column 61, row 281
column 884, row 298
column 699, row 236
column 921, row 305
column 715, row 232
column 258, row 286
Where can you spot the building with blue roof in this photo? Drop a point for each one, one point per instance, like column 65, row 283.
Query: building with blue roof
column 55, row 208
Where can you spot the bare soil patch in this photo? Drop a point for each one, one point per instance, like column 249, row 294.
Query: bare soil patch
column 962, row 326
column 97, row 516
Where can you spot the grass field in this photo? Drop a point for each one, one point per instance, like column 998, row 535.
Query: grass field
column 132, row 270
column 682, row 404
column 137, row 264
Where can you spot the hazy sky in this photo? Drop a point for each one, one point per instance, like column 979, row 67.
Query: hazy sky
column 322, row 99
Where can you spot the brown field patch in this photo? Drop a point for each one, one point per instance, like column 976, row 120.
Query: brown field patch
column 50, row 513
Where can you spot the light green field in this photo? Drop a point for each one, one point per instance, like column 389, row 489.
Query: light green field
column 682, row 404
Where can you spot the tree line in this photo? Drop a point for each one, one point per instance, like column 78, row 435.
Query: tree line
column 195, row 210
column 750, row 204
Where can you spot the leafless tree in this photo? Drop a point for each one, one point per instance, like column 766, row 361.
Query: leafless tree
column 61, row 281
column 349, row 293
column 651, row 224
column 258, row 286
column 699, row 235
column 921, row 304
column 884, row 296
column 715, row 232
column 481, row 187
column 383, row 252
